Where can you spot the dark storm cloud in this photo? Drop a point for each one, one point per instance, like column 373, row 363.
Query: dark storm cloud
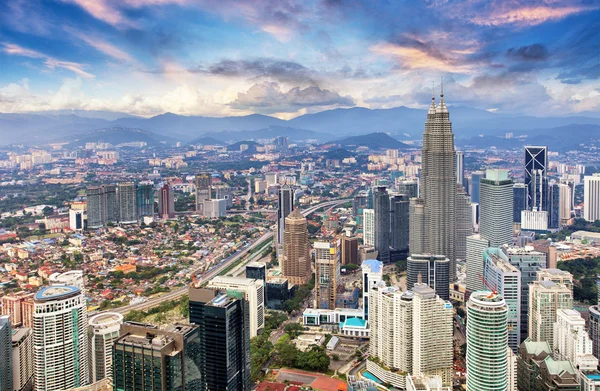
column 535, row 52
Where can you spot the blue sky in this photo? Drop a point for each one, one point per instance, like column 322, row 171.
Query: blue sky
column 285, row 58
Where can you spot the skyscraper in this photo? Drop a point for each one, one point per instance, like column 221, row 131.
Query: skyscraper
column 369, row 227
column 147, row 358
column 224, row 350
column 285, row 205
column 506, row 280
column 296, row 261
column 327, row 273
column 60, row 345
column 487, row 358
column 372, row 275
column 253, row 292
column 166, row 202
column 399, row 226
column 6, row 370
column 126, row 200
column 553, row 205
column 145, row 200
column 464, row 221
column 475, row 186
column 349, row 250
column 545, row 298
column 438, row 188
column 203, row 184
column 104, row 330
column 110, row 203
column 519, row 201
column 536, row 179
column 495, row 208
column 407, row 186
column 22, row 359
column 460, row 167
column 476, row 245
column 95, row 207
column 381, row 206
column 591, row 197
column 432, row 270
column 416, row 233
column 565, row 198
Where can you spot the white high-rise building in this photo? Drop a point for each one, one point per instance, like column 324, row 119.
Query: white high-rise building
column 572, row 342
column 372, row 275
column 22, row 358
column 591, row 197
column 506, row 280
column 60, row 342
column 546, row 297
column 495, row 208
column 71, row 278
column 104, row 330
column 487, row 340
column 475, row 248
column 253, row 290
column 369, row 227
column 564, row 210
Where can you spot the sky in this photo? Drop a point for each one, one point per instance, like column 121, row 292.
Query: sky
column 284, row 58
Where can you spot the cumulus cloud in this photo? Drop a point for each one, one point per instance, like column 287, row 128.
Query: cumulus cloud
column 268, row 98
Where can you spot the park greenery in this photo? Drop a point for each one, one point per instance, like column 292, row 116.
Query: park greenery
column 301, row 294
column 261, row 347
column 584, row 271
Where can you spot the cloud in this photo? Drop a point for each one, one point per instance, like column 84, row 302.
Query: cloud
column 50, row 62
column 534, row 52
column 281, row 70
column 269, row 98
column 519, row 13
column 102, row 46
column 104, row 10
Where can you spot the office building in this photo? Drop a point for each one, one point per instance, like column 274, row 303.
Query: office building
column 146, row 358
column 402, row 336
column 369, row 227
column 572, row 342
column 203, row 183
column 545, row 299
column 223, row 192
column 432, row 270
column 254, row 293
column 277, row 292
column 60, row 345
column 381, row 207
column 534, row 220
column 553, row 205
column 359, row 203
column 591, row 197
column 495, row 208
column 476, row 245
column 144, row 199
column 487, row 340
column 399, row 226
column 564, row 213
column 528, row 262
column 103, row 330
column 434, row 232
column 285, row 205
column 372, row 275
column 505, row 279
column 464, row 222
column 222, row 320
column 76, row 220
column 110, row 204
column 460, row 167
column 296, row 261
column 594, row 329
column 408, row 187
column 127, row 203
column 214, row 208
column 536, row 177
column 475, row 186
column 19, row 306
column 166, row 202
column 6, row 370
column 349, row 250
column 256, row 271
column 22, row 359
column 327, row 273
column 519, row 201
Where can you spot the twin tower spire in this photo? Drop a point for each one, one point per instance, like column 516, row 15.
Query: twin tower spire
column 441, row 108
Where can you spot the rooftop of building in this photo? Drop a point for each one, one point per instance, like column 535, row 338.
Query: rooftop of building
column 233, row 280
column 374, row 265
column 537, row 347
column 423, row 290
column 500, row 262
column 56, row 292
column 487, row 299
column 256, row 265
column 354, row 322
column 19, row 333
column 428, row 257
column 106, row 319
column 559, row 367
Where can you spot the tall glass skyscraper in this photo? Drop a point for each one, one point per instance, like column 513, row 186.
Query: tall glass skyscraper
column 487, row 341
column 519, row 201
column 433, row 270
column 495, row 208
column 399, row 225
column 285, row 205
column 6, row 371
column 381, row 206
column 554, row 205
column 475, row 189
column 144, row 198
column 536, row 177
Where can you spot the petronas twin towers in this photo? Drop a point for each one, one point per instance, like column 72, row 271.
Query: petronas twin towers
column 432, row 215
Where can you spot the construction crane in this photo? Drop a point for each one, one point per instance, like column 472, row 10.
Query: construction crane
column 493, row 290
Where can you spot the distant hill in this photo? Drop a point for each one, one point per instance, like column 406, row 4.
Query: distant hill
column 207, row 141
column 251, row 146
column 338, row 153
column 267, row 133
column 118, row 135
column 373, row 141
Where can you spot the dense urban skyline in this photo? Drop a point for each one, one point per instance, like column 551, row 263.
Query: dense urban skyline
column 286, row 58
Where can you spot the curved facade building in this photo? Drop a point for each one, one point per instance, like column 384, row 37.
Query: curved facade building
column 60, row 345
column 487, row 342
column 104, row 330
column 70, row 278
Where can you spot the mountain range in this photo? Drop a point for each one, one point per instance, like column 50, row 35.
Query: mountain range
column 401, row 122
